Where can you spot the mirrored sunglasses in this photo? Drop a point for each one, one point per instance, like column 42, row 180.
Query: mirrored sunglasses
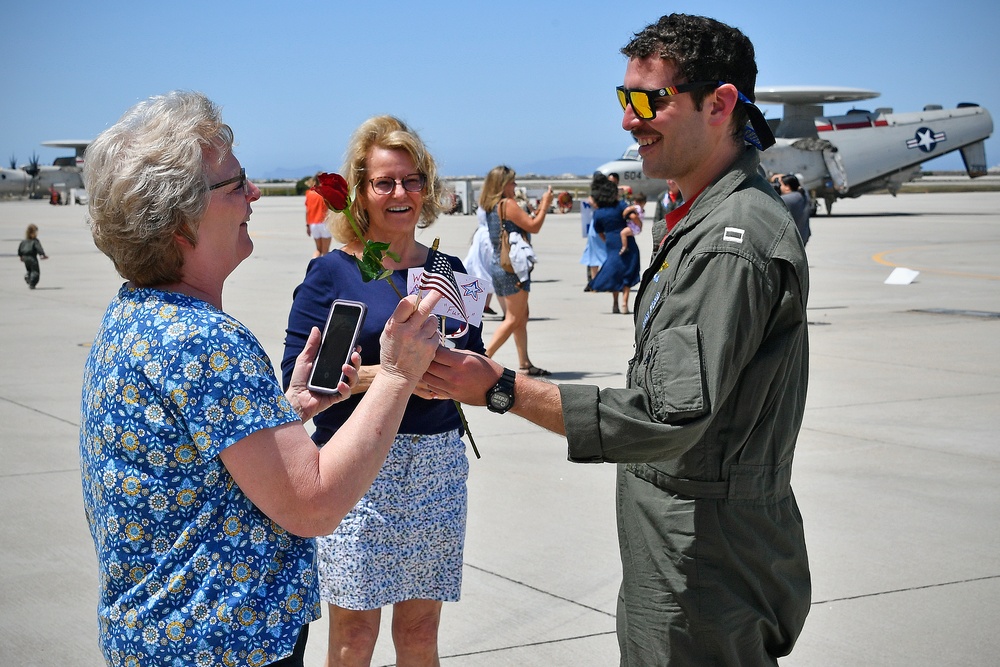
column 644, row 101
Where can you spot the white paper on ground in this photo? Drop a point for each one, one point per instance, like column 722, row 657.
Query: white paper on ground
column 901, row 276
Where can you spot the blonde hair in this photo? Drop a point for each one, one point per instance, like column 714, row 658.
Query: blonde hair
column 390, row 133
column 31, row 232
column 493, row 186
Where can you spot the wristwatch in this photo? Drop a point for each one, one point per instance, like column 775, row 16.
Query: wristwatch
column 500, row 397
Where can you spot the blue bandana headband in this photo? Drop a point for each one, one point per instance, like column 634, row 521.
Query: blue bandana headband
column 758, row 132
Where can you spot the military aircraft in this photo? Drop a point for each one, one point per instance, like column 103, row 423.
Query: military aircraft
column 863, row 151
column 629, row 170
column 14, row 181
column 34, row 179
column 848, row 155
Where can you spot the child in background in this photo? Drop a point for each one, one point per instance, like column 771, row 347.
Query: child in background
column 633, row 220
column 29, row 251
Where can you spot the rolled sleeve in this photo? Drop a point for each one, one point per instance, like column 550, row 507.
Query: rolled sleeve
column 617, row 426
column 580, row 413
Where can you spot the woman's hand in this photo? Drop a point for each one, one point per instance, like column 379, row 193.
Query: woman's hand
column 546, row 200
column 410, row 338
column 306, row 403
column 531, row 223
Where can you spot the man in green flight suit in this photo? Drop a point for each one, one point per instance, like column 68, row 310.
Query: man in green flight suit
column 714, row 561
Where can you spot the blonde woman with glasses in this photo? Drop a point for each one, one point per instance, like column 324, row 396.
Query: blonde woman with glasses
column 402, row 544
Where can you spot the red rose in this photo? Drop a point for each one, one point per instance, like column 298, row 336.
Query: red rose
column 333, row 189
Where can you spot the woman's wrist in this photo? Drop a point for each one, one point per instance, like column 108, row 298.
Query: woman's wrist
column 293, row 400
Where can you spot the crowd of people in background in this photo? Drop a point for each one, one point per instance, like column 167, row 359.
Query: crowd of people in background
column 619, row 277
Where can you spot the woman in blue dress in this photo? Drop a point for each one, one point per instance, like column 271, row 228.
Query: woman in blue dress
column 620, row 271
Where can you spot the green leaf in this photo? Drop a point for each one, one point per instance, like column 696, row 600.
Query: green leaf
column 369, row 271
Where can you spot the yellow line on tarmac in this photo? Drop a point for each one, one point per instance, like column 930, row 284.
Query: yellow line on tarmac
column 881, row 259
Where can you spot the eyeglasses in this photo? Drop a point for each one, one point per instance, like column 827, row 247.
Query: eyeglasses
column 644, row 101
column 241, row 179
column 384, row 185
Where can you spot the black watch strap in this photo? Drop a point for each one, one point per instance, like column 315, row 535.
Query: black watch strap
column 500, row 397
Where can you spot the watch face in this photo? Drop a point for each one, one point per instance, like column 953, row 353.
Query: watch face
column 499, row 401
column 500, row 398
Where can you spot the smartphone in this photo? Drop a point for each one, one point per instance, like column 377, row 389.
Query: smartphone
column 340, row 337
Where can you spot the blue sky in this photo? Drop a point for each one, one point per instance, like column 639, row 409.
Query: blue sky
column 530, row 84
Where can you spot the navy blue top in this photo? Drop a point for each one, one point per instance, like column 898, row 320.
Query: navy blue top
column 336, row 276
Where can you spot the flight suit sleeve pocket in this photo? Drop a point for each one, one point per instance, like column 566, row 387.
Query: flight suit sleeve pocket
column 675, row 374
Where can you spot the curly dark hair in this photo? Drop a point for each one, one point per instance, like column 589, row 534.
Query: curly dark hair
column 702, row 49
column 603, row 191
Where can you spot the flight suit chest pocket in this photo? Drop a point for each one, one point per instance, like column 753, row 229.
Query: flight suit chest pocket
column 672, row 374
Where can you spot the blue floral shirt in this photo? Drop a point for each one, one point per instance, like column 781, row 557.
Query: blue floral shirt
column 191, row 572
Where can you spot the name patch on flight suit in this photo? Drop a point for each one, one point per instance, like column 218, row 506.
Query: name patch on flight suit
column 733, row 234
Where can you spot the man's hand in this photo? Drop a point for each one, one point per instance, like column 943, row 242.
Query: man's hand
column 462, row 375
column 466, row 377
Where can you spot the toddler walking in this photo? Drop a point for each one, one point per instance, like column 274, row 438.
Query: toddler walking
column 29, row 251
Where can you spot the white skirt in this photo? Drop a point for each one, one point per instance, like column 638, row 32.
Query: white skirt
column 405, row 539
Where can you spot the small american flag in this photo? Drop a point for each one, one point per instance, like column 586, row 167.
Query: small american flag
column 439, row 277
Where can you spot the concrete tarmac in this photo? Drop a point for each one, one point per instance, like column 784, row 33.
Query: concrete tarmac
column 896, row 468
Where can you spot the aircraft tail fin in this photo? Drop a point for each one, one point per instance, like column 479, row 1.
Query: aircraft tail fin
column 974, row 157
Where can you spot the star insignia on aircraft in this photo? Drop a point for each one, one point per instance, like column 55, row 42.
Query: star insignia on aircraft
column 925, row 139
column 473, row 289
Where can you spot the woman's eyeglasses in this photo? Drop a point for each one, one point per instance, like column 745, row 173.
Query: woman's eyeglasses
column 384, row 185
column 241, row 179
column 644, row 101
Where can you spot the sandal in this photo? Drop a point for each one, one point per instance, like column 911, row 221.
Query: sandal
column 533, row 370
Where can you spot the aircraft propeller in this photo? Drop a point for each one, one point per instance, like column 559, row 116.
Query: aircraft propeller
column 32, row 168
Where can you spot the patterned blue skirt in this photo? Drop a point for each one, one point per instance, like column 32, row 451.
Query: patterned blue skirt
column 405, row 539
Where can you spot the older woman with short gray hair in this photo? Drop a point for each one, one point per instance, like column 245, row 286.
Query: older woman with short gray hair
column 200, row 485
